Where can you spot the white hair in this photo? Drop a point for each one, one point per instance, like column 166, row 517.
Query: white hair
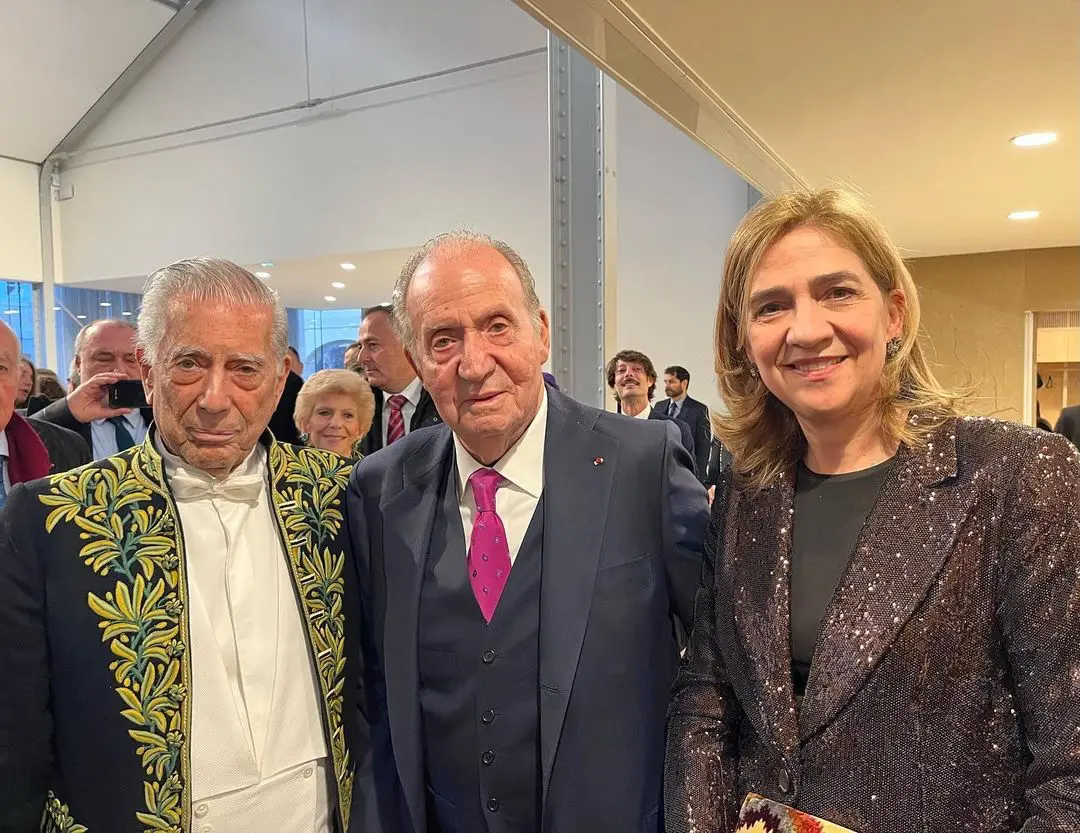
column 202, row 279
column 458, row 240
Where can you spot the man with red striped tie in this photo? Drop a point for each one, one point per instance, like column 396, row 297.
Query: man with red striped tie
column 401, row 403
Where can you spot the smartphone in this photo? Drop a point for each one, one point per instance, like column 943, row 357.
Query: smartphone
column 127, row 394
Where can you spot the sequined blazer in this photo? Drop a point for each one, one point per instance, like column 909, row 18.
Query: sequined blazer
column 944, row 692
column 95, row 704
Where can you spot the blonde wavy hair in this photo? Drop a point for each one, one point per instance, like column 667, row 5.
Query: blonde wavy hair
column 762, row 433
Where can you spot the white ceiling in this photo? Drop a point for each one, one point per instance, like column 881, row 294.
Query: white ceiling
column 304, row 284
column 911, row 101
column 57, row 57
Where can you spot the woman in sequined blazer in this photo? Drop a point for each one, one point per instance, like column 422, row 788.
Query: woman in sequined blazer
column 943, row 692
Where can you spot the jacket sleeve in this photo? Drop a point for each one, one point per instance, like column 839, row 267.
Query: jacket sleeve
column 700, row 771
column 1038, row 605
column 377, row 797
column 685, row 518
column 58, row 413
column 702, row 442
column 25, row 721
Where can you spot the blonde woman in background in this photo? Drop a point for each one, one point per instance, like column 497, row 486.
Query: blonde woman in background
column 885, row 634
column 334, row 410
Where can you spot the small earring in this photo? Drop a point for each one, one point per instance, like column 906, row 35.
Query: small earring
column 892, row 347
column 753, row 371
column 304, row 438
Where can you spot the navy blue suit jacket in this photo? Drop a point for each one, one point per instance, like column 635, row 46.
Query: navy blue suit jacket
column 624, row 521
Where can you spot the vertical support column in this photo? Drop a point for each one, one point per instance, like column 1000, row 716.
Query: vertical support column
column 49, row 246
column 1031, row 336
column 582, row 220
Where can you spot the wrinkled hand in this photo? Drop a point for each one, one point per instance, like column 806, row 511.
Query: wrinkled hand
column 712, row 494
column 90, row 400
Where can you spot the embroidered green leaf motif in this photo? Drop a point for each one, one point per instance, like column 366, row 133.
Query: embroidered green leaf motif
column 57, row 818
column 310, row 515
column 131, row 540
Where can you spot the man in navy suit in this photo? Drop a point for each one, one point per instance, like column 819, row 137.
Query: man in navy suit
column 681, row 406
column 514, row 704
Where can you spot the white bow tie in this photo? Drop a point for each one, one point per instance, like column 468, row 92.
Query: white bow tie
column 243, row 488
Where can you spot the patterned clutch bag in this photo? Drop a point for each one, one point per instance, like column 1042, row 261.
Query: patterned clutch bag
column 760, row 815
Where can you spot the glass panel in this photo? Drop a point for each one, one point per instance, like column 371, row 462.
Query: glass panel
column 321, row 336
column 76, row 307
column 17, row 310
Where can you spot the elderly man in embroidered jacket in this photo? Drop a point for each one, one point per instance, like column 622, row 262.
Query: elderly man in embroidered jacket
column 178, row 622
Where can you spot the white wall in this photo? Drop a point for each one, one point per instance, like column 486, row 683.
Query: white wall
column 20, row 224
column 677, row 207
column 378, row 171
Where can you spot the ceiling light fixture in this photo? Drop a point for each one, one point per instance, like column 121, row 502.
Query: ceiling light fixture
column 56, row 309
column 338, row 285
column 329, row 298
column 125, row 313
column 1034, row 140
column 81, row 317
column 104, row 304
column 11, row 312
column 348, row 267
column 267, row 264
column 264, row 275
column 1023, row 215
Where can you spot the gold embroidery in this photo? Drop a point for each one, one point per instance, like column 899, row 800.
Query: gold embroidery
column 58, row 818
column 135, row 542
column 311, row 486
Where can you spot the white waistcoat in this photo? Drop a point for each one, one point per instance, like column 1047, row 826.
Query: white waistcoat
column 259, row 758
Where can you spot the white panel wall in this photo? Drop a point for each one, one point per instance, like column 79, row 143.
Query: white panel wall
column 678, row 205
column 20, row 224
column 378, row 171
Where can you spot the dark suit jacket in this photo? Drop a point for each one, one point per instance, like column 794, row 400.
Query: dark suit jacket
column 942, row 695
column 1068, row 424
column 623, row 525
column 686, row 436
column 282, row 424
column 696, row 415
column 94, row 627
column 58, row 413
column 719, row 459
column 67, row 450
column 424, row 415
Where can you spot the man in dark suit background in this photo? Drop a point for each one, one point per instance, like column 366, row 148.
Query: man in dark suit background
column 513, row 704
column 632, row 379
column 401, row 403
column 29, row 449
column 1068, row 424
column 283, row 423
column 681, row 406
column 104, row 355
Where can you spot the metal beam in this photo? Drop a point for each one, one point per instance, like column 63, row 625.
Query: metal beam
column 581, row 221
column 130, row 76
column 172, row 4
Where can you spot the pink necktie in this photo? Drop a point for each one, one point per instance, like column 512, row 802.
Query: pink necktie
column 489, row 554
column 395, row 426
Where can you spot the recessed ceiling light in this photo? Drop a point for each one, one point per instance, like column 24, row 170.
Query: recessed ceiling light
column 104, row 304
column 267, row 264
column 81, row 317
column 1033, row 140
column 338, row 285
column 11, row 312
column 329, row 298
column 1023, row 215
column 125, row 313
column 56, row 309
column 348, row 267
column 263, row 275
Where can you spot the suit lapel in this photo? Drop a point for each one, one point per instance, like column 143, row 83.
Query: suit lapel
column 407, row 519
column 575, row 517
column 758, row 536
column 886, row 579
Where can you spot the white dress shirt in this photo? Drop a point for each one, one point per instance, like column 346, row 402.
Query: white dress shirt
column 4, row 454
column 412, row 395
column 259, row 758
column 522, row 468
column 103, row 434
column 644, row 412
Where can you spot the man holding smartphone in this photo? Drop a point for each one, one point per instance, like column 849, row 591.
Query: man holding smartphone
column 104, row 356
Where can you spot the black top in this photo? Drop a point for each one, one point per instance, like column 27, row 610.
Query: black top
column 830, row 511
